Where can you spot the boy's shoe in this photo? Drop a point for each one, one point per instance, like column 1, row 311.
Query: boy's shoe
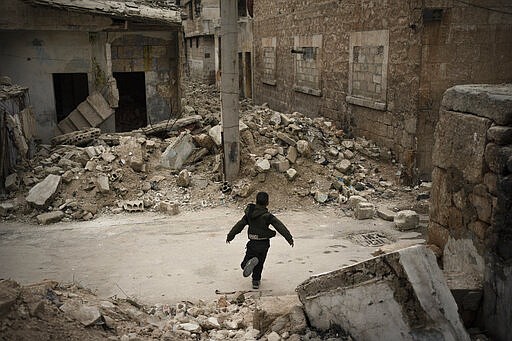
column 249, row 266
column 255, row 284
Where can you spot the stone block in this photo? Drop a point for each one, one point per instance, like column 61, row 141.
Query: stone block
column 169, row 207
column 281, row 166
column 291, row 174
column 497, row 157
column 184, row 178
column 50, row 217
column 406, row 220
column 137, row 164
column 485, row 100
column 86, row 315
column 216, row 134
column 6, row 208
column 12, row 182
column 500, row 135
column 304, row 148
column 385, row 214
column 396, row 296
column 286, row 139
column 354, row 200
column 269, row 308
column 40, row 194
column 177, row 152
column 102, row 183
column 459, row 134
column 483, row 206
column 292, row 154
column 343, row 166
column 364, row 210
column 262, row 165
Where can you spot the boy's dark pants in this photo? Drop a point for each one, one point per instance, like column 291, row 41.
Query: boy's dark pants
column 259, row 249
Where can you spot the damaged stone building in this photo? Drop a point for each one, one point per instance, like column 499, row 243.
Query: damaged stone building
column 72, row 54
column 379, row 68
column 203, row 42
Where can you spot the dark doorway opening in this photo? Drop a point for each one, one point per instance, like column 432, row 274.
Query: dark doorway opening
column 131, row 113
column 70, row 90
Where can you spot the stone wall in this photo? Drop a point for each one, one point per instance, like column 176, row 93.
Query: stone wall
column 471, row 208
column 422, row 58
column 468, row 45
column 201, row 58
column 328, row 27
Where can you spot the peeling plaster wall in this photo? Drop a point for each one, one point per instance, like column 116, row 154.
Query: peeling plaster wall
column 471, row 199
column 31, row 57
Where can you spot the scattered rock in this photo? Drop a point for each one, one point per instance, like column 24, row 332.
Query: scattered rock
column 40, row 194
column 385, row 214
column 12, row 182
column 406, row 220
column 86, row 315
column 291, row 174
column 50, row 217
column 184, row 178
column 169, row 207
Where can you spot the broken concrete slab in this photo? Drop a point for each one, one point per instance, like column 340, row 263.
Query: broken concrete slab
column 169, row 207
column 50, row 217
column 178, row 152
column 354, row 200
column 406, row 220
column 40, row 194
column 398, row 296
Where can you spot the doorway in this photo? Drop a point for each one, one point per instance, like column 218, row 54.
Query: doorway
column 70, row 90
column 131, row 112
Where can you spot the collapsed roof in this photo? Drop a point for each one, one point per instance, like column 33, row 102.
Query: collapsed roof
column 169, row 15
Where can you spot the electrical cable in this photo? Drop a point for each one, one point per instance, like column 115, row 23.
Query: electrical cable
column 483, row 7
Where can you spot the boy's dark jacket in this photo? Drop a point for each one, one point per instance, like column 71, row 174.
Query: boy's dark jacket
column 259, row 218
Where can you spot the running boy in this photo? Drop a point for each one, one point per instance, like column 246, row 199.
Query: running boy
column 258, row 218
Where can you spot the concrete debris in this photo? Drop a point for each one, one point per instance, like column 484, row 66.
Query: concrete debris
column 184, row 178
column 40, row 194
column 169, row 207
column 133, row 206
column 385, row 214
column 50, row 217
column 354, row 201
column 12, row 182
column 178, row 152
column 406, row 220
column 86, row 315
column 395, row 296
column 364, row 210
column 271, row 143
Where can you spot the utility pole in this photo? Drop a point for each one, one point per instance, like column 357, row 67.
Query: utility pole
column 229, row 88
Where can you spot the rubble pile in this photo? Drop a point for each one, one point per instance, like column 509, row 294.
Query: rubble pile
column 177, row 165
column 48, row 310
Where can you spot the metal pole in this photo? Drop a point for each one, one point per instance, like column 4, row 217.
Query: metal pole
column 230, row 88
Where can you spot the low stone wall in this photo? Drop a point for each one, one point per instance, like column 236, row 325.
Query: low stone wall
column 471, row 208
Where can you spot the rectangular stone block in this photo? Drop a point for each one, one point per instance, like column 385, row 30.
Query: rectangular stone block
column 461, row 134
column 397, row 296
column 485, row 100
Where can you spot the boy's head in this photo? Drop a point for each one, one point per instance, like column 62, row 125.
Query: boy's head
column 262, row 198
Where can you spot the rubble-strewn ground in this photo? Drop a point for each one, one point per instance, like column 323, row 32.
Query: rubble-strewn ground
column 329, row 168
column 116, row 172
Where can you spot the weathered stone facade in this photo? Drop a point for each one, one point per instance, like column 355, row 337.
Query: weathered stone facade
column 41, row 41
column 381, row 67
column 471, row 209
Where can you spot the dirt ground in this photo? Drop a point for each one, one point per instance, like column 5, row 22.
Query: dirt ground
column 162, row 259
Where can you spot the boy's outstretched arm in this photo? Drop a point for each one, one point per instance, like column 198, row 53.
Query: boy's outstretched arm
column 279, row 226
column 239, row 226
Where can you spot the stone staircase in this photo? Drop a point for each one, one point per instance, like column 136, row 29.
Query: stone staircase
column 90, row 113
